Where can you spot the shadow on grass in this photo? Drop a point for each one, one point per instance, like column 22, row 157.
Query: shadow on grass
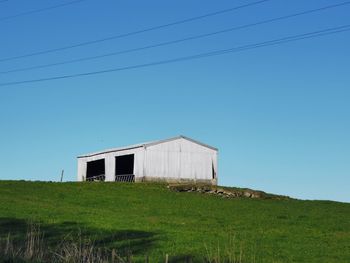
column 184, row 259
column 124, row 241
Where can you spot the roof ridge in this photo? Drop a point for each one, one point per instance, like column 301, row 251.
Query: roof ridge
column 147, row 144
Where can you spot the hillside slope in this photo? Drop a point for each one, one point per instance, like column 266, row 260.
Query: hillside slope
column 149, row 219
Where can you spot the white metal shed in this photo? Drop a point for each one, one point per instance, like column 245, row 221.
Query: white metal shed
column 178, row 159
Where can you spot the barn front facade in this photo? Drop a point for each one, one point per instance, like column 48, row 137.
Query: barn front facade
column 178, row 159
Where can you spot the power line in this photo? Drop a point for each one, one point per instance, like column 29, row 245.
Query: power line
column 39, row 10
column 176, row 41
column 313, row 34
column 135, row 32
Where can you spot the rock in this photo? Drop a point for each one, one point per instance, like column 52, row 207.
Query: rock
column 247, row 194
column 223, row 191
column 255, row 195
column 220, row 191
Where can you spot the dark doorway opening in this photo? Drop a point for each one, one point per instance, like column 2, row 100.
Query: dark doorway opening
column 213, row 173
column 95, row 170
column 124, row 168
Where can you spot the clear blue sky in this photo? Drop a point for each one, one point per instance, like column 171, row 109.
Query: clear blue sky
column 280, row 115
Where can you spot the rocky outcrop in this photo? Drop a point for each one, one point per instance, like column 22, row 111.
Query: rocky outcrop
column 225, row 192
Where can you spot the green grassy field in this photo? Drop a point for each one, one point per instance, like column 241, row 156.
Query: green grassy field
column 149, row 219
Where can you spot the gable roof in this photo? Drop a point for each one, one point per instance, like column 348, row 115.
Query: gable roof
column 147, row 144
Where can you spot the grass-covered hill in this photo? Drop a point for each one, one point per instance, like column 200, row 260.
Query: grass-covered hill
column 149, row 221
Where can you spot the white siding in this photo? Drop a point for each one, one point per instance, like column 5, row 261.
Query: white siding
column 178, row 159
column 110, row 163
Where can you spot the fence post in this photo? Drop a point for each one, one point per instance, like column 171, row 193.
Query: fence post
column 62, row 175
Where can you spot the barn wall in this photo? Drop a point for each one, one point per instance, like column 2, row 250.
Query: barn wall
column 81, row 169
column 173, row 161
column 110, row 163
column 180, row 160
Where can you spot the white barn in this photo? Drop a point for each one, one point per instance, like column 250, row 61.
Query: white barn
column 178, row 159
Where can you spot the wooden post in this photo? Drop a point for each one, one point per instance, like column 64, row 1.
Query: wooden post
column 62, row 175
column 166, row 258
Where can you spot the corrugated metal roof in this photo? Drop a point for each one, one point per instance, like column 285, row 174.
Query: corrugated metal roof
column 146, row 144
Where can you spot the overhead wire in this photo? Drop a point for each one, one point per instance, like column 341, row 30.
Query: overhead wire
column 183, row 21
column 318, row 33
column 310, row 11
column 39, row 10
